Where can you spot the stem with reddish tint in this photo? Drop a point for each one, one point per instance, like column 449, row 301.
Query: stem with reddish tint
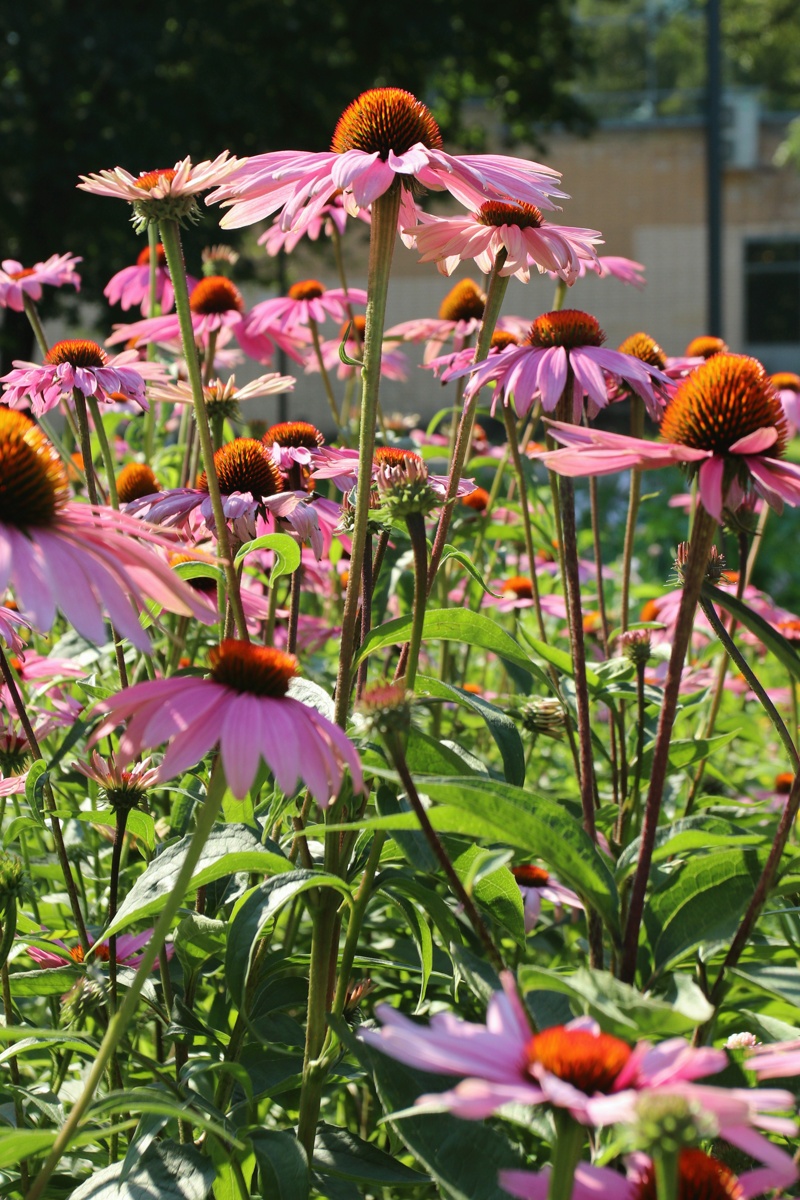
column 693, row 575
column 516, row 459
column 171, row 241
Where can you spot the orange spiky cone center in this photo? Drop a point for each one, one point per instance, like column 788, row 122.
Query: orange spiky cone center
column 700, row 1177
column 215, row 294
column 383, row 120
column 463, row 302
column 33, row 482
column 258, row 670
column 568, row 327
column 78, row 352
column 724, row 399
column 143, row 259
column 529, row 875
column 645, row 348
column 294, row 433
column 244, row 465
column 307, row 289
column 590, row 1062
column 524, row 216
column 136, row 480
column 518, row 586
column 150, row 179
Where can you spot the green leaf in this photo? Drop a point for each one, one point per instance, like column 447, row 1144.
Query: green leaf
column 427, row 756
column 197, row 939
column 165, row 1170
column 46, row 981
column 414, row 845
column 200, row 570
column 689, row 833
column 260, row 907
column 617, row 1007
column 282, row 1163
column 455, row 625
column 702, row 901
column 34, row 788
column 775, row 642
column 685, row 751
column 286, row 550
column 141, row 825
column 423, row 941
column 469, row 566
column 499, row 724
column 539, row 827
column 342, row 1154
column 228, row 850
column 16, row 1144
column 783, row 982
column 497, row 892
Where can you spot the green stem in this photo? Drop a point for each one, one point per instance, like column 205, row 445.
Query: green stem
column 415, row 523
column 323, row 370
column 152, row 306
column 36, row 325
column 516, row 459
column 383, row 234
column 665, row 1167
column 637, row 431
column 119, row 1023
column 105, row 450
column 494, row 302
column 360, row 902
column 570, row 1136
column 170, row 238
column 86, row 445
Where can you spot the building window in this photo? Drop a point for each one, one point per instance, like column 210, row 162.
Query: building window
column 772, row 291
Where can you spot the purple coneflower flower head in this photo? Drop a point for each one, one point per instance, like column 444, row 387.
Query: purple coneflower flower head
column 341, row 465
column 394, row 364
column 84, row 561
column 124, row 788
column 537, row 884
column 384, row 137
column 460, row 316
column 307, row 300
column 131, row 285
column 17, row 281
column 519, row 230
column 217, row 308
column 168, row 193
column 244, row 707
column 76, row 364
column 787, row 385
column 330, row 221
column 725, row 423
column 612, row 266
column 10, row 624
column 564, row 349
column 127, row 955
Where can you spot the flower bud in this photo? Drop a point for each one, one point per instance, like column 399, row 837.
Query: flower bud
column 544, row 715
column 635, row 645
column 404, row 488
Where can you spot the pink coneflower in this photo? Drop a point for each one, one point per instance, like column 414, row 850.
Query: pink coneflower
column 574, row 1066
column 10, row 623
column 460, row 316
column 168, row 193
column 706, row 346
column 787, row 385
column 455, row 365
column 341, row 465
column 84, row 561
column 244, row 708
column 291, row 444
column 612, row 266
column 224, row 398
column 77, row 364
column 518, row 229
column 394, row 363
column 778, row 1060
column 564, row 347
column 17, row 281
column 330, row 219
column 721, row 423
column 217, row 306
column 123, row 788
column 385, row 136
column 700, row 1177
column 128, row 946
column 536, row 885
column 131, row 285
column 308, row 300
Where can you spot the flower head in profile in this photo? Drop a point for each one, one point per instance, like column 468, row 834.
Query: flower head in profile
column 218, row 308
column 706, row 346
column 351, row 334
column 128, row 946
column 341, row 465
column 123, row 788
column 330, row 221
column 536, row 885
column 725, row 423
column 81, row 364
column 787, row 385
column 168, row 193
column 576, row 1067
column 385, row 137
column 131, row 285
column 563, row 350
column 460, row 316
column 306, row 301
column 85, row 561
column 612, row 266
column 17, row 281
column 518, row 230
column 245, row 708
column 223, row 398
